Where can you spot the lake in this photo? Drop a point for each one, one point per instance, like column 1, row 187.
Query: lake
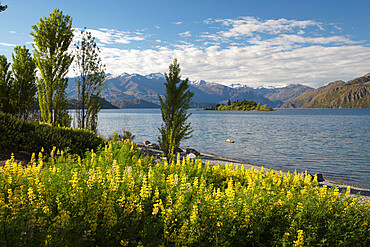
column 334, row 142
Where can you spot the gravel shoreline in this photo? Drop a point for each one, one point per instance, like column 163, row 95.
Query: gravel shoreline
column 220, row 160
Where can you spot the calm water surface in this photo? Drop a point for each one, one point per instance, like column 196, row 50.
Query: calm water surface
column 334, row 142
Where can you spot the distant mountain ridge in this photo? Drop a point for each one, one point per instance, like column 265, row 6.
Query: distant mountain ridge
column 338, row 94
column 105, row 104
column 133, row 103
column 283, row 93
column 129, row 87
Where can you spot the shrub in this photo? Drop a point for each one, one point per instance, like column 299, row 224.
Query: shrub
column 116, row 197
column 16, row 134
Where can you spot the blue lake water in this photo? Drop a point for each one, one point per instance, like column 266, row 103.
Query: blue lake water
column 334, row 142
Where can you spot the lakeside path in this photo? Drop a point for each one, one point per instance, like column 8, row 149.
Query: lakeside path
column 220, row 160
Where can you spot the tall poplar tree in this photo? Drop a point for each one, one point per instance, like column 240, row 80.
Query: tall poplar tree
column 52, row 36
column 174, row 108
column 6, row 86
column 90, row 81
column 24, row 87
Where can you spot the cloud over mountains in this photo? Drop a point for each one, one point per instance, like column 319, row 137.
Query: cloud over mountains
column 249, row 50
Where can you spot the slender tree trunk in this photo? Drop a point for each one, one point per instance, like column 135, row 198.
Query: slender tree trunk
column 50, row 102
column 83, row 101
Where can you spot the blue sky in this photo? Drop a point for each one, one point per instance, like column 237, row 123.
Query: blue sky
column 258, row 43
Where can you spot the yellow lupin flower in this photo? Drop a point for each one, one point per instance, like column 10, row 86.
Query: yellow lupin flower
column 304, row 190
column 48, row 237
column 194, row 215
column 33, row 159
column 307, row 179
column 156, row 207
column 286, row 236
column 336, row 191
column 195, row 183
column 299, row 206
column 297, row 179
column 145, row 188
column 10, row 193
column 45, row 209
column 183, row 183
column 278, row 182
column 124, row 243
column 31, row 195
column 74, row 180
column 323, row 191
column 348, row 191
column 300, row 241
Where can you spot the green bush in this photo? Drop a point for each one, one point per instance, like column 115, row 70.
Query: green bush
column 17, row 135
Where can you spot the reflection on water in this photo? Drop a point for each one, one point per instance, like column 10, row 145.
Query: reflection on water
column 334, row 142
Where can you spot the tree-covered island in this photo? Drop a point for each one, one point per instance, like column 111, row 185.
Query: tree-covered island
column 243, row 105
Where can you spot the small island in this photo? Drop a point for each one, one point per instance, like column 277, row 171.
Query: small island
column 243, row 105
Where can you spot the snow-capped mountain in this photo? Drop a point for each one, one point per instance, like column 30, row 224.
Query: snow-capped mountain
column 155, row 76
column 240, row 86
column 134, row 86
column 198, row 82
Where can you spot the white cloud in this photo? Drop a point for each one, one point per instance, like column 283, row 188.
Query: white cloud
column 185, row 34
column 246, row 50
column 251, row 26
column 7, row 44
column 12, row 32
column 208, row 21
column 113, row 36
column 177, row 22
column 254, row 65
column 247, row 26
column 287, row 40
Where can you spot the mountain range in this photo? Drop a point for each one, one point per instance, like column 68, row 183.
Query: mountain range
column 138, row 91
column 134, row 90
column 338, row 94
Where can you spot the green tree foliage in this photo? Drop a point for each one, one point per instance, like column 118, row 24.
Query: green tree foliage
column 90, row 82
column 52, row 36
column 24, row 87
column 3, row 7
column 174, row 108
column 243, row 105
column 6, row 86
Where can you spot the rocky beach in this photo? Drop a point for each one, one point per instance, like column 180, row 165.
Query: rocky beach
column 221, row 160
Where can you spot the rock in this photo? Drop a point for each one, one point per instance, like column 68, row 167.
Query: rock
column 146, row 143
column 153, row 145
column 190, row 150
column 320, row 177
column 229, row 141
column 192, row 156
